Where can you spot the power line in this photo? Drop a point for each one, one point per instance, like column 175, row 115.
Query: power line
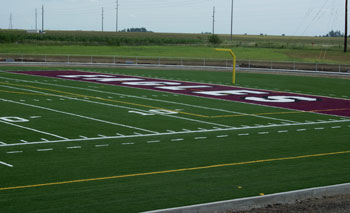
column 116, row 15
column 102, row 19
column 231, row 19
column 42, row 18
column 213, row 20
column 36, row 19
column 10, row 22
column 346, row 27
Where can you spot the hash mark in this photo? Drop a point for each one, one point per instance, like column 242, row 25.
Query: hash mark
column 14, row 152
column 102, row 145
column 128, row 143
column 244, row 134
column 74, row 147
column 44, row 150
column 178, row 139
column 300, row 130
column 222, row 136
column 200, row 138
column 153, row 141
column 336, row 127
column 263, row 133
column 283, row 131
column 319, row 128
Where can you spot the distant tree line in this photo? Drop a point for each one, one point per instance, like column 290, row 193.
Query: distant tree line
column 136, row 30
column 333, row 33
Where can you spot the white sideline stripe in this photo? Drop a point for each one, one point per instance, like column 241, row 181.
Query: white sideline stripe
column 116, row 106
column 76, row 115
column 178, row 133
column 34, row 130
column 6, row 164
column 145, row 98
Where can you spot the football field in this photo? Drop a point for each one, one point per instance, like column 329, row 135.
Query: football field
column 129, row 140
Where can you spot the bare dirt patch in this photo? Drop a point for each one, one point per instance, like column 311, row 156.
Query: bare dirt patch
column 334, row 204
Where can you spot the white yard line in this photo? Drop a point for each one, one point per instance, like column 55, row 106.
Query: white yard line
column 180, row 133
column 2, row 143
column 157, row 100
column 76, row 115
column 33, row 130
column 6, row 164
column 116, row 106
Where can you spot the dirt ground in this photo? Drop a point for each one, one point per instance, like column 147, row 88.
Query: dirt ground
column 335, row 204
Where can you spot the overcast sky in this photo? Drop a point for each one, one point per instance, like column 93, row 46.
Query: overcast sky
column 273, row 17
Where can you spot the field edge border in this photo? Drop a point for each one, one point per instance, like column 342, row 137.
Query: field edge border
column 248, row 203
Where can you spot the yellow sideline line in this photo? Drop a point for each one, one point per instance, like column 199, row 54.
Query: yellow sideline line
column 174, row 171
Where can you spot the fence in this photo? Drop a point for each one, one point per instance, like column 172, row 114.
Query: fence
column 203, row 62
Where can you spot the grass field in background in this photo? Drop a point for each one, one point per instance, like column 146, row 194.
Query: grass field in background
column 105, row 164
column 243, row 53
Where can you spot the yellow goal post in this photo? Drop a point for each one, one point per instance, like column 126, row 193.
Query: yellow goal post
column 234, row 63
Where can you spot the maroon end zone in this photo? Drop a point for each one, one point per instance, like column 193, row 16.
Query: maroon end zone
column 323, row 105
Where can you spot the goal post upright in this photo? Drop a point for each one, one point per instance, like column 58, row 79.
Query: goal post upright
column 234, row 63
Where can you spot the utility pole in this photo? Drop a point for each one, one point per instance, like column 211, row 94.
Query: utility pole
column 116, row 16
column 10, row 22
column 213, row 20
column 36, row 19
column 346, row 27
column 231, row 19
column 102, row 19
column 42, row 19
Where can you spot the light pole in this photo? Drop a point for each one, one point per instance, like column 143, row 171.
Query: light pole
column 346, row 27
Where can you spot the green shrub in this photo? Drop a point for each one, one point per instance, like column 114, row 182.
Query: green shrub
column 214, row 39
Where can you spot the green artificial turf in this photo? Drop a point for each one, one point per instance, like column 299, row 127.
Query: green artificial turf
column 147, row 155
